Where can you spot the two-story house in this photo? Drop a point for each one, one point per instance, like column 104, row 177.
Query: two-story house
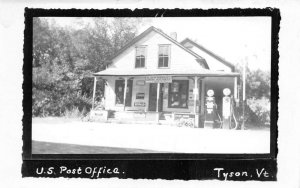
column 161, row 78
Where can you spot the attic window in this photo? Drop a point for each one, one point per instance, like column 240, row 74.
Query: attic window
column 163, row 55
column 140, row 57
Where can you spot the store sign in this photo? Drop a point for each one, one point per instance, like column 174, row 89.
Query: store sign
column 178, row 116
column 195, row 91
column 139, row 104
column 210, row 102
column 158, row 79
column 140, row 82
column 140, row 95
column 192, row 102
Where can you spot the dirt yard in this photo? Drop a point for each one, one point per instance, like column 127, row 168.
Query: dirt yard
column 139, row 138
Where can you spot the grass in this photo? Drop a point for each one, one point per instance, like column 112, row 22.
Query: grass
column 60, row 148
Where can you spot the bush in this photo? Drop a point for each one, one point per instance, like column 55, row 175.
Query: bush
column 185, row 122
column 77, row 100
column 55, row 104
column 257, row 112
column 261, row 108
column 73, row 113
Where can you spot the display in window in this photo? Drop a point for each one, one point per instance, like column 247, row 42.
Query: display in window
column 119, row 90
column 178, row 97
column 175, row 87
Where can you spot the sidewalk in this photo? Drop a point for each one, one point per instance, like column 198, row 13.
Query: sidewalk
column 153, row 137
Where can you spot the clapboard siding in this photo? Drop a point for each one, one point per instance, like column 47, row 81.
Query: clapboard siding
column 212, row 62
column 179, row 58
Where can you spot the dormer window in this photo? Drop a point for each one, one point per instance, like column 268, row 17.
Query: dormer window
column 163, row 56
column 140, row 57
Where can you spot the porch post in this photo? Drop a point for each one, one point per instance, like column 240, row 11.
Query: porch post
column 94, row 92
column 157, row 100
column 244, row 95
column 202, row 96
column 125, row 89
column 235, row 88
column 195, row 94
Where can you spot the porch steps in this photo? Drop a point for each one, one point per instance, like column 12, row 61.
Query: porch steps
column 135, row 115
column 127, row 121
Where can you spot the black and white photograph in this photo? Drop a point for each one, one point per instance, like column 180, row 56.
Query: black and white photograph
column 137, row 85
column 149, row 93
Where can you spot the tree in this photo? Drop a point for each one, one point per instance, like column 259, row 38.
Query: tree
column 257, row 94
column 64, row 59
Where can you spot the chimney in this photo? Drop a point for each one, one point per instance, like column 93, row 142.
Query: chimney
column 173, row 35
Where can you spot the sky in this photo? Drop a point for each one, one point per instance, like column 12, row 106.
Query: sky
column 236, row 39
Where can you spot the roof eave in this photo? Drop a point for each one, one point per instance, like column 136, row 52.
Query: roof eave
column 173, row 74
column 230, row 65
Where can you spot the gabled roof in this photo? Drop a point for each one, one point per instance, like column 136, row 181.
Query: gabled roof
column 230, row 65
column 150, row 29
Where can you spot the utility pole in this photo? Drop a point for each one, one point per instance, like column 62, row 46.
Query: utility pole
column 94, row 92
column 244, row 94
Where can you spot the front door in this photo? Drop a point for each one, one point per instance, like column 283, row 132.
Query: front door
column 153, row 97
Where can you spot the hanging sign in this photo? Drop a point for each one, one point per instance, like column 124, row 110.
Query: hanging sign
column 140, row 95
column 195, row 91
column 140, row 82
column 158, row 79
column 139, row 104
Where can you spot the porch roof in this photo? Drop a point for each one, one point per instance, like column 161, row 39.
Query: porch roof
column 165, row 71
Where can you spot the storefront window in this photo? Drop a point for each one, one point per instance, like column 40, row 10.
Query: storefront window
column 178, row 94
column 119, row 90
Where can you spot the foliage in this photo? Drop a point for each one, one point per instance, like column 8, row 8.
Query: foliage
column 65, row 58
column 258, row 89
column 74, row 112
column 185, row 122
column 261, row 107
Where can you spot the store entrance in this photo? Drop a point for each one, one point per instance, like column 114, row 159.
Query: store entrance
column 153, row 97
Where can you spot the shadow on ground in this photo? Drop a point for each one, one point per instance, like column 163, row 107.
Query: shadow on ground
column 59, row 148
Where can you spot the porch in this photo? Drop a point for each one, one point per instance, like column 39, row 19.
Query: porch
column 163, row 98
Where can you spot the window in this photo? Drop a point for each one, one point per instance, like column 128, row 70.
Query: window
column 178, row 94
column 163, row 55
column 119, row 90
column 140, row 57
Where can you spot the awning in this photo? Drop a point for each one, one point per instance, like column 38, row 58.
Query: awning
column 165, row 71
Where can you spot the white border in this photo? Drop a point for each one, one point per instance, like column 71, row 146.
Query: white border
column 11, row 60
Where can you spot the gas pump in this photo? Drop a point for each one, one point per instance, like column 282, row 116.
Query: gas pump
column 210, row 109
column 226, row 112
